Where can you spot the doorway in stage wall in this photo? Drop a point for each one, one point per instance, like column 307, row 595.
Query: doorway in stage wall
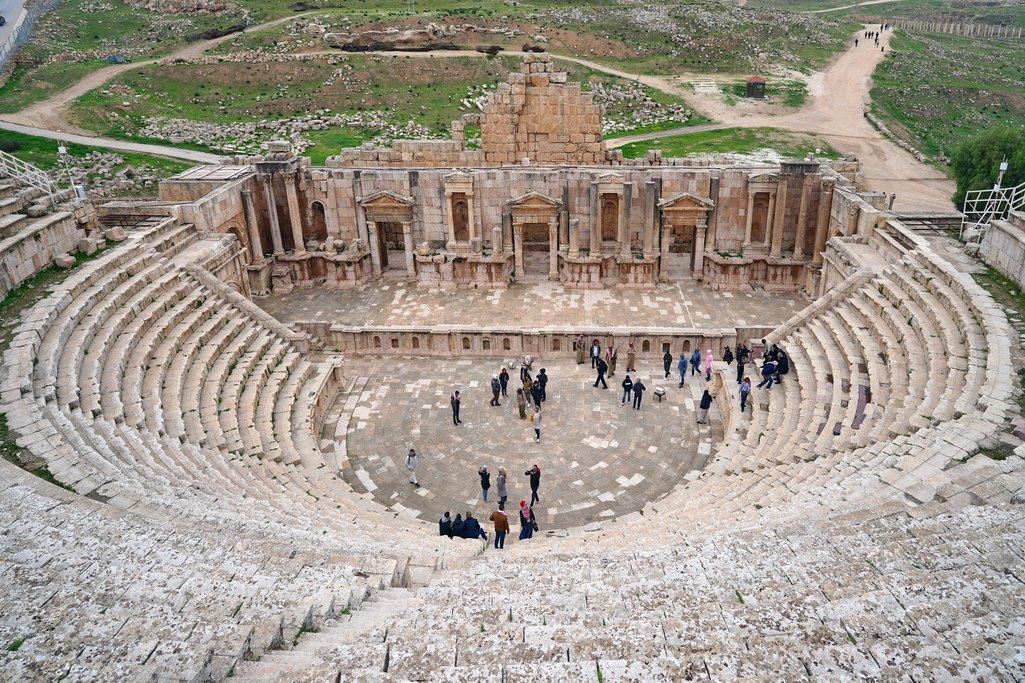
column 681, row 252
column 393, row 248
column 535, row 250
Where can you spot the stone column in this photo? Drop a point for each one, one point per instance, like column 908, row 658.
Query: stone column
column 699, row 245
column 294, row 215
column 624, row 220
column 574, row 238
column 407, row 244
column 713, row 217
column 778, row 223
column 822, row 225
column 802, row 218
column 649, row 219
column 553, row 250
column 272, row 212
column 663, row 249
column 361, row 219
column 451, row 220
column 563, row 229
column 375, row 247
column 594, row 245
column 518, row 249
column 249, row 210
column 472, row 224
column 507, row 230
column 770, row 216
column 496, row 241
column 750, row 216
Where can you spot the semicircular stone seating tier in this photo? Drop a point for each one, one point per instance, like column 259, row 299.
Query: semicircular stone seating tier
column 208, row 528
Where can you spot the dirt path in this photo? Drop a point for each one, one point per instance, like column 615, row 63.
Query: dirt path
column 857, row 4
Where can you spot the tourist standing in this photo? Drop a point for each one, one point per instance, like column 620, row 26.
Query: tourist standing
column 455, row 407
column 628, row 387
column 535, row 483
column 667, row 362
column 527, row 523
column 496, row 390
column 595, row 354
column 581, row 349
column 706, row 403
column 728, row 356
column 500, row 484
column 535, row 422
column 745, row 392
column 501, row 520
column 602, row 368
column 542, row 380
column 631, row 358
column 742, row 356
column 610, row 357
column 527, row 384
column 503, row 379
column 485, row 481
column 638, row 393
column 709, row 360
column 411, row 459
column 521, row 403
column 681, row 367
column 535, row 392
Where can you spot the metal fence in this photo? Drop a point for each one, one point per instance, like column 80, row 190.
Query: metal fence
column 23, row 27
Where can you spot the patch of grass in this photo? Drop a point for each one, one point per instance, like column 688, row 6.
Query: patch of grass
column 996, row 453
column 740, row 598
column 329, row 142
column 733, row 140
column 42, row 152
column 15, row 644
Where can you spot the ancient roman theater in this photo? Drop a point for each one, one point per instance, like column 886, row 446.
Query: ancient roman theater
column 224, row 397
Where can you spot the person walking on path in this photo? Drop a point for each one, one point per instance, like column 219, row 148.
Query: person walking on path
column 667, row 362
column 742, row 357
column 695, row 362
column 611, row 355
column 602, row 368
column 595, row 354
column 535, row 483
column 631, row 358
column 768, row 372
column 638, row 393
column 411, row 459
column 542, row 380
column 500, row 484
column 527, row 523
column 485, row 482
column 536, row 393
column 521, row 403
column 535, row 422
column 709, row 360
column 728, row 356
column 628, row 387
column 681, row 367
column 706, row 403
column 496, row 390
column 745, row 393
column 503, row 379
column 455, row 408
column 501, row 520
column 581, row 348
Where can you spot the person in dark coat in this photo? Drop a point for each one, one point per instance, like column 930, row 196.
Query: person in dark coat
column 445, row 526
column 458, row 527
column 503, row 379
column 727, row 356
column 535, row 483
column 667, row 362
column 542, row 379
column 455, row 407
column 485, row 481
column 536, row 393
column 496, row 390
column 603, row 367
column 638, row 393
column 695, row 362
column 628, row 387
column 768, row 373
column 706, row 403
column 473, row 529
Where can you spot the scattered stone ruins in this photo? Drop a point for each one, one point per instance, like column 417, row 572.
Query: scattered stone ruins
column 208, row 523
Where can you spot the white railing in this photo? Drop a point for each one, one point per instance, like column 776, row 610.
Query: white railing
column 982, row 207
column 27, row 174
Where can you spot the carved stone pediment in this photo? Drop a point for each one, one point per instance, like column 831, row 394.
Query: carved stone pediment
column 686, row 201
column 387, row 206
column 385, row 198
column 534, row 200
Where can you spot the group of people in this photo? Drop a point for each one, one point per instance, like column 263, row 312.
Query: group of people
column 775, row 364
column 874, row 35
column 469, row 527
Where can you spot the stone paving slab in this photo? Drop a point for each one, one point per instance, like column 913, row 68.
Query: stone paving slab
column 682, row 304
column 599, row 459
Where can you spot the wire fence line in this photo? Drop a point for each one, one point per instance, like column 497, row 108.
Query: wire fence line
column 23, row 27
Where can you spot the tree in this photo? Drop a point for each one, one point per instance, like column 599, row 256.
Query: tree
column 976, row 163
